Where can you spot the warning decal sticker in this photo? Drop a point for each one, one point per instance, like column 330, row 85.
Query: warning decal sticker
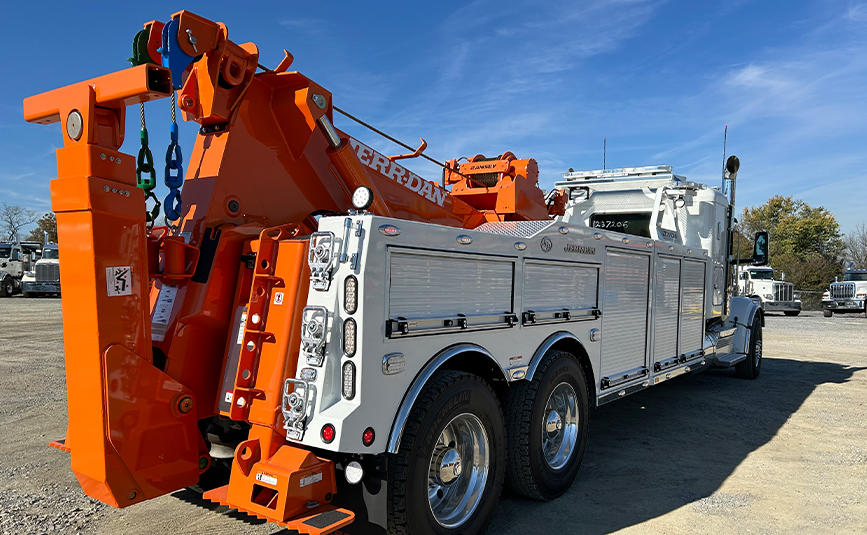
column 163, row 312
column 118, row 280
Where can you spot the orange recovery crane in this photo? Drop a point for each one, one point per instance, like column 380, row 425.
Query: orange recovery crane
column 156, row 372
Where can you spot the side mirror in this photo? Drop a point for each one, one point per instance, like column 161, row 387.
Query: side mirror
column 760, row 248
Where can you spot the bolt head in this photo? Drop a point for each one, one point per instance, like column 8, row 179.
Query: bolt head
column 185, row 405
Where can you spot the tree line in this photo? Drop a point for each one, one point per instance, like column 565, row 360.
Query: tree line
column 14, row 218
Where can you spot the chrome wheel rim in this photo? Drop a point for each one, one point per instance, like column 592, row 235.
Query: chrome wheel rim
column 458, row 471
column 560, row 426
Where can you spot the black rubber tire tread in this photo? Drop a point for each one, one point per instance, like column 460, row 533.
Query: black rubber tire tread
column 827, row 313
column 747, row 369
column 518, row 413
column 6, row 288
column 398, row 508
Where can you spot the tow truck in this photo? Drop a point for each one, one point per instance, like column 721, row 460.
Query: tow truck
column 847, row 296
column 775, row 295
column 314, row 315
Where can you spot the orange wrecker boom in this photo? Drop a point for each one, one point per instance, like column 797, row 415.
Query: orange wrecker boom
column 266, row 162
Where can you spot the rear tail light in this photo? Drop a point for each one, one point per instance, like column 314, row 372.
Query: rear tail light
column 368, row 436
column 350, row 294
column 349, row 337
column 348, row 380
column 328, row 433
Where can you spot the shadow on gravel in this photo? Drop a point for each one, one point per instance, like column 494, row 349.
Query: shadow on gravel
column 647, row 455
column 669, row 446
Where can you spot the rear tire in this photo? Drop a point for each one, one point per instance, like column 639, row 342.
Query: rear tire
column 827, row 313
column 547, row 427
column 28, row 294
column 750, row 367
column 792, row 312
column 448, row 472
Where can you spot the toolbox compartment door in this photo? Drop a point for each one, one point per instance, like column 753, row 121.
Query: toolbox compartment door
column 626, row 280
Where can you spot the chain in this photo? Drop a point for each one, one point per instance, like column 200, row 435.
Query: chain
column 145, row 166
column 174, row 178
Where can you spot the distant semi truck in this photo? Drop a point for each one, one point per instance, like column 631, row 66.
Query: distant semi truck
column 45, row 278
column 759, row 283
column 16, row 260
column 846, row 296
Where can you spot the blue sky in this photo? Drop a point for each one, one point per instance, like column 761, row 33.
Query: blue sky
column 543, row 79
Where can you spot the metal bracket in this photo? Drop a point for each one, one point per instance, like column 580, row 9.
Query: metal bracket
column 347, row 226
column 314, row 327
column 321, row 259
column 297, row 406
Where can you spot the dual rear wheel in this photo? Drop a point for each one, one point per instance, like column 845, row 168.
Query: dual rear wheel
column 449, row 470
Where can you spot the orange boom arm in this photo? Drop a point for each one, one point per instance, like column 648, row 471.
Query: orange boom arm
column 266, row 161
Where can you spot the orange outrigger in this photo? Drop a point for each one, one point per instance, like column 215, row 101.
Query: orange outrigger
column 266, row 162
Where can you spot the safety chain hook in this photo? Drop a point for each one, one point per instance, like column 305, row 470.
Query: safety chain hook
column 174, row 174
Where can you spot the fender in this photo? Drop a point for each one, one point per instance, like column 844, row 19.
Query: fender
column 546, row 345
column 742, row 311
column 421, row 380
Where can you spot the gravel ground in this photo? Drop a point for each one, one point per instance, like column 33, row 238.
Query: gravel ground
column 707, row 453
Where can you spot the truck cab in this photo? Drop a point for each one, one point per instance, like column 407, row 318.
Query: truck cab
column 848, row 295
column 652, row 202
column 11, row 269
column 759, row 283
column 45, row 278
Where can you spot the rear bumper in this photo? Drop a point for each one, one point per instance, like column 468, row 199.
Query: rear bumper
column 42, row 287
column 843, row 305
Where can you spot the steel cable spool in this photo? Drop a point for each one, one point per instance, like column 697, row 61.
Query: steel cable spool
column 489, row 180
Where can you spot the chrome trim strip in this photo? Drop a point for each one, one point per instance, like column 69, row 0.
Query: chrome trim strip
column 419, row 383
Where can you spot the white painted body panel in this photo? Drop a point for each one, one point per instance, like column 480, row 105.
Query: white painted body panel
column 424, row 276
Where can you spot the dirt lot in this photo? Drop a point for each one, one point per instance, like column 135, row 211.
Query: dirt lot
column 703, row 454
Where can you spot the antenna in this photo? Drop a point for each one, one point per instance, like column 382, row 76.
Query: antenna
column 725, row 138
column 604, row 151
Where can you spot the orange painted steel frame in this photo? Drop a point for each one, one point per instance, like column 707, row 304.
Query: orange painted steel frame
column 260, row 170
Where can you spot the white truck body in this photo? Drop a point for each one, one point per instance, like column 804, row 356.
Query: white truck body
column 636, row 311
column 848, row 295
column 776, row 296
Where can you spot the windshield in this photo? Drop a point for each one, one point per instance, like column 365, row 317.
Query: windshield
column 5, row 251
column 762, row 275
column 846, row 277
column 50, row 254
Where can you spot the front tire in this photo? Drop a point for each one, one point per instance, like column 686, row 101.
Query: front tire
column 448, row 472
column 827, row 313
column 6, row 287
column 792, row 312
column 547, row 428
column 750, row 367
